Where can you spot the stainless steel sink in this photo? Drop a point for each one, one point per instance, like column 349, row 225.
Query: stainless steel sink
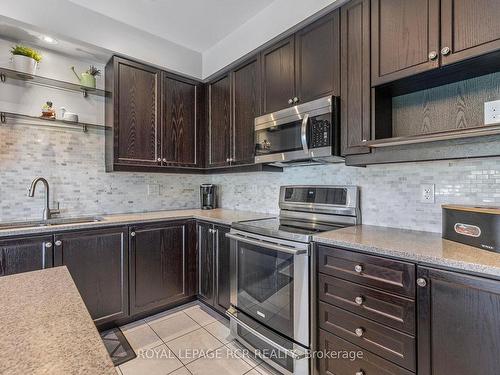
column 50, row 222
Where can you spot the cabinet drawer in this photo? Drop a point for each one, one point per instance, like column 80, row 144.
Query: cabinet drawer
column 386, row 342
column 386, row 274
column 367, row 363
column 395, row 311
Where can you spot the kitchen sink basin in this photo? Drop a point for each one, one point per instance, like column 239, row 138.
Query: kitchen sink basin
column 50, row 222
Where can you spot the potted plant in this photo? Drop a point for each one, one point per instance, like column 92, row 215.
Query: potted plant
column 25, row 59
column 87, row 78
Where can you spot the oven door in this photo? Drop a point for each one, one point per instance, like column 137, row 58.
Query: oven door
column 270, row 283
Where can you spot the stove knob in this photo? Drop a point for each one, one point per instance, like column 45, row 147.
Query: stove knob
column 358, row 268
column 359, row 300
column 359, row 332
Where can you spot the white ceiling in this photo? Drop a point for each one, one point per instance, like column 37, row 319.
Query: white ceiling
column 195, row 24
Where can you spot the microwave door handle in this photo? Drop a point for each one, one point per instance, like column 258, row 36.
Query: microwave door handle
column 303, row 133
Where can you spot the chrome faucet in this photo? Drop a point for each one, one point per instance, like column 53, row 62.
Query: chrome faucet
column 47, row 212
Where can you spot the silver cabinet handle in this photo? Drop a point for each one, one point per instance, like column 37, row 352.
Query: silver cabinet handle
column 58, row 243
column 290, row 101
column 159, row 159
column 267, row 245
column 360, row 372
column 359, row 332
column 421, row 282
column 433, row 55
column 445, row 51
column 48, row 245
column 359, row 300
column 358, row 268
column 295, row 99
column 295, row 353
column 132, row 234
column 164, row 160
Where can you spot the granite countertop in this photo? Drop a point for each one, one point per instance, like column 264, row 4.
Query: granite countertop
column 218, row 215
column 46, row 328
column 421, row 247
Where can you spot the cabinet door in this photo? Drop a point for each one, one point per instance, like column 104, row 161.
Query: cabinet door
column 179, row 130
column 206, row 262
column 137, row 113
column 98, row 263
column 219, row 131
column 159, row 265
column 458, row 324
column 404, row 34
column 246, row 106
column 355, row 95
column 278, row 75
column 25, row 254
column 317, row 64
column 469, row 28
column 222, row 268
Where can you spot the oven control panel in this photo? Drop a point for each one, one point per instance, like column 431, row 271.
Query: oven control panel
column 320, row 133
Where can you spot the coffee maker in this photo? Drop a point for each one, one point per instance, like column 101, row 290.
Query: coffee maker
column 208, row 196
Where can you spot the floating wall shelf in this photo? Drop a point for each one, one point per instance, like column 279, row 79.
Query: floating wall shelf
column 4, row 116
column 49, row 82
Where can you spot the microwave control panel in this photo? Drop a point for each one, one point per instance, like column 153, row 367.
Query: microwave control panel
column 320, row 133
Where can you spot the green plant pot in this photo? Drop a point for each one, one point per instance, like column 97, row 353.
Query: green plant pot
column 87, row 80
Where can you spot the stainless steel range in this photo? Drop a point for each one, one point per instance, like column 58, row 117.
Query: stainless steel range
column 271, row 272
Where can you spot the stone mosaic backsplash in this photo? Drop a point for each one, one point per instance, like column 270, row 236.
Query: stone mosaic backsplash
column 390, row 194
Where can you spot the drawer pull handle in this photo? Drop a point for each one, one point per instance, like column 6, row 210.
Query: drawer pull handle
column 358, row 268
column 360, row 372
column 359, row 332
column 359, row 300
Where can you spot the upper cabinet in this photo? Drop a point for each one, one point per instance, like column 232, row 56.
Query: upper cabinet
column 469, row 28
column 153, row 116
column 405, row 38
column 246, row 107
column 317, row 68
column 180, row 127
column 134, row 112
column 219, row 122
column 355, row 93
column 302, row 67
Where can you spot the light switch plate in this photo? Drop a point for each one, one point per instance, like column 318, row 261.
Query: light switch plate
column 427, row 193
column 492, row 112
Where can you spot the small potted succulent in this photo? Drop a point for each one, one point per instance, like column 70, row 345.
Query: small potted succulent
column 87, row 78
column 25, row 59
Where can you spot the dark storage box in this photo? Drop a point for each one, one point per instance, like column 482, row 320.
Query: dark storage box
column 472, row 225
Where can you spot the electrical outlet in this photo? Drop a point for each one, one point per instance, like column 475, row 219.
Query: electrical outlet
column 427, row 193
column 492, row 112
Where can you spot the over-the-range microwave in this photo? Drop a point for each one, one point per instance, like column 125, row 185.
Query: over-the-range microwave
column 302, row 134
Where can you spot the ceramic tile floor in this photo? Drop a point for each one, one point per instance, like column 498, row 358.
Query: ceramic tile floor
column 191, row 339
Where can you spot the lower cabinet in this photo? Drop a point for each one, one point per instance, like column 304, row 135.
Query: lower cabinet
column 98, row 263
column 162, row 264
column 25, row 254
column 214, row 269
column 459, row 324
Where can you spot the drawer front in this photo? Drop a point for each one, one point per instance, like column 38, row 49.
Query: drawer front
column 388, row 343
column 395, row 311
column 386, row 274
column 366, row 364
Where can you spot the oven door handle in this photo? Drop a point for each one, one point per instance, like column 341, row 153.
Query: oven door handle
column 303, row 133
column 267, row 245
column 294, row 353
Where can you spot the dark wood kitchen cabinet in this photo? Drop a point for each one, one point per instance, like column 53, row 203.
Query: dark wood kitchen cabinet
column 405, row 38
column 214, row 265
column 179, row 133
column 133, row 111
column 98, row 263
column 278, row 75
column 219, row 122
column 246, row 102
column 458, row 323
column 302, row 67
column 162, row 265
column 25, row 254
column 469, row 29
column 355, row 93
